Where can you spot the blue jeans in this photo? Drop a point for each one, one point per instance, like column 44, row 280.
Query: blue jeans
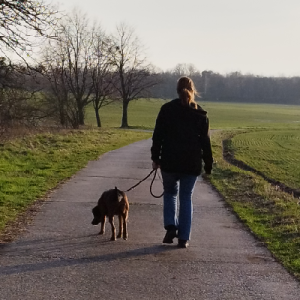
column 182, row 184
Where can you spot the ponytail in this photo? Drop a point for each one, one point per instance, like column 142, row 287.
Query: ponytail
column 186, row 92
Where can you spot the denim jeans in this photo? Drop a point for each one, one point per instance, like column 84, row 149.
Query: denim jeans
column 178, row 211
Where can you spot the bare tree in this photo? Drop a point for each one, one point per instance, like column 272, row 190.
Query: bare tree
column 20, row 103
column 102, row 75
column 68, row 61
column 185, row 70
column 61, row 106
column 135, row 74
column 22, row 22
column 77, row 43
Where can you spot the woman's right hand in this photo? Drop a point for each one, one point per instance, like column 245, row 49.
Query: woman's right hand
column 155, row 166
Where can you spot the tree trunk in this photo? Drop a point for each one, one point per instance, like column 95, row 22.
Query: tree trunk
column 124, row 117
column 62, row 116
column 80, row 115
column 98, row 117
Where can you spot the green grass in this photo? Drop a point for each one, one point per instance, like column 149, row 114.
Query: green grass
column 142, row 114
column 238, row 115
column 272, row 215
column 31, row 166
column 274, row 153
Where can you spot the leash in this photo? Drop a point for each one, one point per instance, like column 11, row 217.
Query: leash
column 155, row 172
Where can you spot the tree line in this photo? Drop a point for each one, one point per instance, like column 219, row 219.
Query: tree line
column 232, row 87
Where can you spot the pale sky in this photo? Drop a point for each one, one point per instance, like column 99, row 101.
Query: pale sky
column 261, row 37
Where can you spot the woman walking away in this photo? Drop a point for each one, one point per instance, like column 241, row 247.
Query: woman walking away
column 180, row 143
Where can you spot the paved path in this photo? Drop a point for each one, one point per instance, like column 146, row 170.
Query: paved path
column 62, row 257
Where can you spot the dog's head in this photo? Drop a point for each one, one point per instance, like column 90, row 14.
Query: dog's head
column 97, row 215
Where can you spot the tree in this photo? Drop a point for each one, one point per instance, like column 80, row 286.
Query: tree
column 69, row 59
column 20, row 104
column 76, row 40
column 185, row 70
column 22, row 22
column 134, row 73
column 60, row 105
column 102, row 75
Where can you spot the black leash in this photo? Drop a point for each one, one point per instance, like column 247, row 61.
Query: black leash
column 150, row 184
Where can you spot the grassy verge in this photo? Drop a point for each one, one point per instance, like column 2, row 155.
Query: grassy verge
column 272, row 215
column 33, row 165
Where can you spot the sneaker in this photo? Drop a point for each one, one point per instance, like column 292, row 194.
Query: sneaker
column 183, row 244
column 170, row 235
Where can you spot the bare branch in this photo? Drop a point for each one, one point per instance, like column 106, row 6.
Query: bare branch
column 22, row 23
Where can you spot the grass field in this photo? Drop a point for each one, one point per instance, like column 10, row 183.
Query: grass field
column 272, row 152
column 142, row 114
column 235, row 115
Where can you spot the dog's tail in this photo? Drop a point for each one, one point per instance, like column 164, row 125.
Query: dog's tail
column 121, row 195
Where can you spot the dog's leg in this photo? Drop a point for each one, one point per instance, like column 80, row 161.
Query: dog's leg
column 113, row 228
column 120, row 226
column 125, row 233
column 102, row 229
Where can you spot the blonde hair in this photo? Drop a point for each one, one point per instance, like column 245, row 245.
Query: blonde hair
column 186, row 91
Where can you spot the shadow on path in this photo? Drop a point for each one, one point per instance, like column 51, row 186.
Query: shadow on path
column 67, row 262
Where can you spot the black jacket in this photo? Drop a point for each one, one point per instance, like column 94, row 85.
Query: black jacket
column 181, row 139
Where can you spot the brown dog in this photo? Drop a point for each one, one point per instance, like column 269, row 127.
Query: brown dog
column 112, row 202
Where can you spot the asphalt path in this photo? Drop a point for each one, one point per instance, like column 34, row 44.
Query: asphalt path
column 61, row 255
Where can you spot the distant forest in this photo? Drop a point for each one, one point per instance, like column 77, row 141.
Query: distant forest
column 233, row 87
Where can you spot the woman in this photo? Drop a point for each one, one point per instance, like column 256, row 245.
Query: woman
column 180, row 143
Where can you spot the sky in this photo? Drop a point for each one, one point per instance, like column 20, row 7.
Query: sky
column 261, row 37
